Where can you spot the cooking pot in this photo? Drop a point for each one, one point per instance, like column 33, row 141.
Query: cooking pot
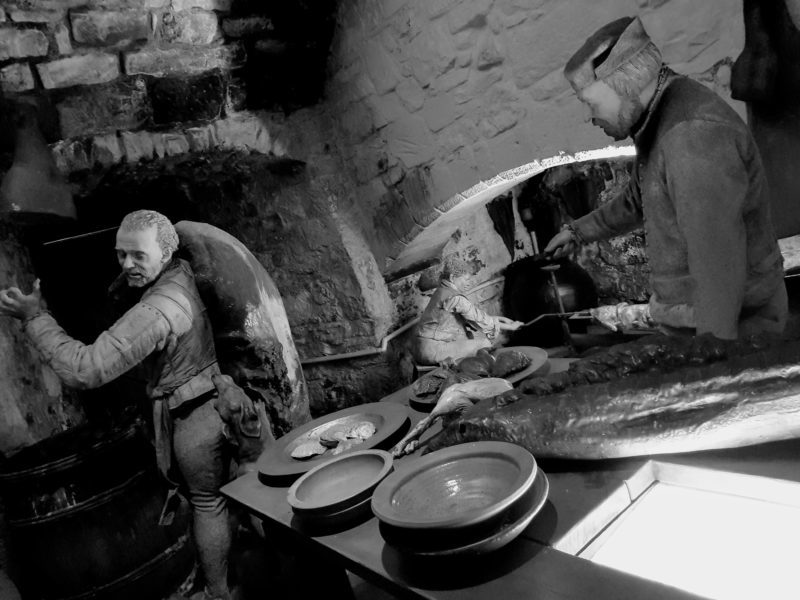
column 529, row 292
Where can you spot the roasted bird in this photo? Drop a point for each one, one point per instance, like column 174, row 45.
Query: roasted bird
column 454, row 400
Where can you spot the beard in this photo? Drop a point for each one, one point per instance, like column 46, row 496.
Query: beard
column 630, row 111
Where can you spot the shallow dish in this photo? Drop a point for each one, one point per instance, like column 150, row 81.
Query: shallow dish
column 328, row 524
column 340, row 482
column 455, row 487
column 475, row 540
column 277, row 466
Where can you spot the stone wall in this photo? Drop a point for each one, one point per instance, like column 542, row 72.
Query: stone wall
column 125, row 80
column 32, row 403
column 434, row 97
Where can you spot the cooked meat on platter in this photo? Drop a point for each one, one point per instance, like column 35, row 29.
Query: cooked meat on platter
column 338, row 436
column 362, row 431
column 509, row 362
column 308, row 449
column 346, row 445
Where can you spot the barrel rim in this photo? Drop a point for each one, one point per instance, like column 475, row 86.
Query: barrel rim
column 92, row 502
column 66, row 462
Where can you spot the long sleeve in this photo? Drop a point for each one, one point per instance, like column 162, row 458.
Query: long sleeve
column 115, row 351
column 619, row 215
column 707, row 184
column 473, row 315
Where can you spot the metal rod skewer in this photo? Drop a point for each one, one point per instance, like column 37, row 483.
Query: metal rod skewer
column 80, row 235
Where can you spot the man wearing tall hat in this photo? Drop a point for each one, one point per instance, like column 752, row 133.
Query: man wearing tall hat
column 697, row 186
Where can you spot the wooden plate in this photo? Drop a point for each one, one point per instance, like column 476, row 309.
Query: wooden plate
column 477, row 540
column 339, row 482
column 277, row 467
column 538, row 360
column 539, row 365
column 456, row 487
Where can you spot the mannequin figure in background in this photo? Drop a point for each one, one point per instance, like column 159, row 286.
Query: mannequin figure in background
column 451, row 326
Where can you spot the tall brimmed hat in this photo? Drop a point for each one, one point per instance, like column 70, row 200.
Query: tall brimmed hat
column 606, row 50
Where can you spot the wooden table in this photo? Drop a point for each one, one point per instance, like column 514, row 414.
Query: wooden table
column 529, row 567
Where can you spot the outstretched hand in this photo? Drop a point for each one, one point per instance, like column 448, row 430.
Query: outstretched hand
column 13, row 303
column 506, row 324
column 562, row 244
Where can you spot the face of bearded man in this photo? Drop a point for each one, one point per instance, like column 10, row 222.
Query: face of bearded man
column 629, row 113
column 614, row 114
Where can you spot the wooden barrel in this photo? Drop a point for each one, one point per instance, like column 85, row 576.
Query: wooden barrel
column 82, row 510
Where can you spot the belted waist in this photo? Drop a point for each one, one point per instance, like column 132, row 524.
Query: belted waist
column 199, row 384
column 200, row 387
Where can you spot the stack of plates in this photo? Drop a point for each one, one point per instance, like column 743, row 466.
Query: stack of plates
column 339, row 489
column 466, row 499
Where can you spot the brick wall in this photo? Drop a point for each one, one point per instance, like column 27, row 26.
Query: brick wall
column 126, row 80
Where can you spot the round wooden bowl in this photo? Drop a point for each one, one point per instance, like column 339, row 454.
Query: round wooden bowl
column 455, row 487
column 339, row 483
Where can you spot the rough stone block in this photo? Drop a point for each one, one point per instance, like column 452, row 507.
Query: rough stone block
column 489, row 54
column 386, row 108
column 416, row 194
column 393, row 219
column 106, row 150
column 247, row 26
column 440, row 111
column 107, row 28
column 45, row 5
column 199, row 138
column 136, row 145
column 480, row 82
column 177, row 61
column 21, row 43
column 412, row 95
column 430, row 55
column 198, row 28
column 16, row 77
column 469, row 15
column 36, row 16
column 86, row 69
column 410, row 140
column 159, row 149
column 551, row 86
column 177, row 99
column 436, row 8
column 63, row 41
column 356, row 123
column 236, row 85
column 242, row 131
column 451, row 80
column 122, row 104
column 175, row 144
column 220, row 5
column 2, row 16
column 381, row 67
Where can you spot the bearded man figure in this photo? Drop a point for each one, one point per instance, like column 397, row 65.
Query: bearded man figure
column 164, row 331
column 698, row 186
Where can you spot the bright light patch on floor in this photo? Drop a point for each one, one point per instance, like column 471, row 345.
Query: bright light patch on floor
column 715, row 545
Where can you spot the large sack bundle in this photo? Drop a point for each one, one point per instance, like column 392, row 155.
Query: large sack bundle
column 251, row 332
